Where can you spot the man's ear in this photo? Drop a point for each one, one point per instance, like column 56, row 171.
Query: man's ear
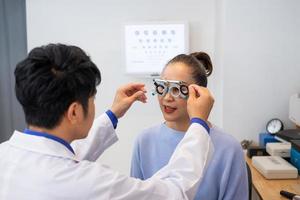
column 74, row 112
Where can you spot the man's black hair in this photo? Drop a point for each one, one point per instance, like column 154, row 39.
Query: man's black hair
column 52, row 77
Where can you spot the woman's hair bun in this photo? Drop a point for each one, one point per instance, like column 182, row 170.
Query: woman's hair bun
column 204, row 58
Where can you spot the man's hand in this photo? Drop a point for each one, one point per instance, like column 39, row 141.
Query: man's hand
column 200, row 102
column 126, row 95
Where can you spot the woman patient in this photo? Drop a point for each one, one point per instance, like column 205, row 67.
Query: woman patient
column 226, row 175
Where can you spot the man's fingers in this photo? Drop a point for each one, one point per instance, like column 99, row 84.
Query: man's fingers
column 139, row 95
column 126, row 95
column 134, row 86
column 143, row 98
column 198, row 90
column 192, row 92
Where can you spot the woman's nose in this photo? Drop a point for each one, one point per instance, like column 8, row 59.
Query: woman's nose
column 168, row 97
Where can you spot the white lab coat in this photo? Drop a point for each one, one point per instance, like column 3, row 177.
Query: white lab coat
column 38, row 168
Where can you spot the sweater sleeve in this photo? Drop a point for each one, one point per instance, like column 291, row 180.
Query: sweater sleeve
column 237, row 180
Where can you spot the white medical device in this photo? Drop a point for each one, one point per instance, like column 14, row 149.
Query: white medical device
column 294, row 109
column 274, row 167
column 175, row 88
column 279, row 149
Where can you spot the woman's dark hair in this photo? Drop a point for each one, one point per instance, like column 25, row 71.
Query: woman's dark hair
column 200, row 63
column 52, row 77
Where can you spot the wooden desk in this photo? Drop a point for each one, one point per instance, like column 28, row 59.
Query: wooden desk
column 269, row 189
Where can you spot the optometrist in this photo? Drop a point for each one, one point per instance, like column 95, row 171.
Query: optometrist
column 56, row 156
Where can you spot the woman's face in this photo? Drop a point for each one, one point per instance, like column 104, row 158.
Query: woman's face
column 174, row 109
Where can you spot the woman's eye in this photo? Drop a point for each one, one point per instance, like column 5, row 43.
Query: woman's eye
column 175, row 91
column 184, row 90
column 160, row 89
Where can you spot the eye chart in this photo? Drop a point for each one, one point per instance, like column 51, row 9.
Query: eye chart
column 148, row 47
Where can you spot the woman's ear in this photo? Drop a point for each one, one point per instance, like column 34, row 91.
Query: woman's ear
column 74, row 112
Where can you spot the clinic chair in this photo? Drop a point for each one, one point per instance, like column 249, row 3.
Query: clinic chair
column 249, row 181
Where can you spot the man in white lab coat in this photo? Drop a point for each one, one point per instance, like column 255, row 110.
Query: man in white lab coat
column 56, row 156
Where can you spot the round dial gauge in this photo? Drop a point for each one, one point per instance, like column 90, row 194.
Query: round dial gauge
column 274, row 126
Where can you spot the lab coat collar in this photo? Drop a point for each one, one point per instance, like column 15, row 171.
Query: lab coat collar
column 40, row 145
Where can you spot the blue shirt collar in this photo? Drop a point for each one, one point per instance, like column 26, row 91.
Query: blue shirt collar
column 51, row 137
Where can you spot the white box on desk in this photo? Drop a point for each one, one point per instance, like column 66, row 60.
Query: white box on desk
column 274, row 167
column 279, row 149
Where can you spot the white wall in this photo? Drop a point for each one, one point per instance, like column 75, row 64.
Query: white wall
column 96, row 26
column 260, row 62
